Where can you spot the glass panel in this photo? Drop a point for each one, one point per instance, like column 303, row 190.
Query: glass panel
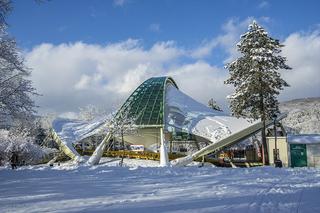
column 146, row 102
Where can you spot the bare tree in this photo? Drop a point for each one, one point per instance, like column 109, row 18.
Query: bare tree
column 90, row 112
column 123, row 123
column 118, row 125
column 15, row 87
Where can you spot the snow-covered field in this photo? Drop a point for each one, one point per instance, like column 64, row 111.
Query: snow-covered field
column 148, row 188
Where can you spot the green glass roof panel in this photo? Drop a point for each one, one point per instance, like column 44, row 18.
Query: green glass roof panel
column 145, row 104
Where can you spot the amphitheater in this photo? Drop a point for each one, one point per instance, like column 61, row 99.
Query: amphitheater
column 162, row 114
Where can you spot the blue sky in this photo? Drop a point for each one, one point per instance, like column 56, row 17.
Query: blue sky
column 185, row 21
column 195, row 34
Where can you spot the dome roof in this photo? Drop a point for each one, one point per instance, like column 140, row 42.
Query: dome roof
column 158, row 102
column 146, row 103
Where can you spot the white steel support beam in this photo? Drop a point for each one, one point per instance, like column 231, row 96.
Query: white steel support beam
column 164, row 158
column 98, row 152
column 69, row 151
column 228, row 141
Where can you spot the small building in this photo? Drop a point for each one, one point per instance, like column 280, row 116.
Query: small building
column 282, row 146
column 304, row 150
column 296, row 150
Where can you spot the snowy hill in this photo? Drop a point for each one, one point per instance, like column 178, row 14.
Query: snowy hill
column 303, row 115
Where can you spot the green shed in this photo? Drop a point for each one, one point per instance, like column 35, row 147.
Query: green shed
column 304, row 150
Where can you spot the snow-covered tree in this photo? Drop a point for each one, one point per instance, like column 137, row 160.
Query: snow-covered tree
column 123, row 123
column 15, row 87
column 5, row 7
column 214, row 105
column 118, row 125
column 24, row 146
column 256, row 78
column 90, row 112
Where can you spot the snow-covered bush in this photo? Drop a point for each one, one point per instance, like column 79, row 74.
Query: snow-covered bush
column 90, row 112
column 28, row 152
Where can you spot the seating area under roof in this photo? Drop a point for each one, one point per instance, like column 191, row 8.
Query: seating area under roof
column 146, row 103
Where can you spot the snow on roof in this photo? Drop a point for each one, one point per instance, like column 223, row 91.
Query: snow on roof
column 183, row 113
column 71, row 131
column 304, row 139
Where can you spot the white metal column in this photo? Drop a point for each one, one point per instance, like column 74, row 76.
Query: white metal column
column 164, row 158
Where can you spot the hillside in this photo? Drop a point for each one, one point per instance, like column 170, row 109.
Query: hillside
column 303, row 117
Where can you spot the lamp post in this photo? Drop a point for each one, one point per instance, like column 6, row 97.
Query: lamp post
column 276, row 158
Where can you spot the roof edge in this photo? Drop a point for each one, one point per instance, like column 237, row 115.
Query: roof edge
column 170, row 79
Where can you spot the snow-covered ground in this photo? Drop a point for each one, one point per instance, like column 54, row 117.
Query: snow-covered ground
column 142, row 186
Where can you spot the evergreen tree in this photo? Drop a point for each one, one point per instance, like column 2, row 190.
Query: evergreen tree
column 214, row 105
column 256, row 78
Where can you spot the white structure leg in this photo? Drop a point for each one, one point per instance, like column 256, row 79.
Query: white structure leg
column 164, row 158
column 98, row 152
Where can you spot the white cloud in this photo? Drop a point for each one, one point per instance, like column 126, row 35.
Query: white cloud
column 205, row 49
column 83, row 83
column 303, row 53
column 78, row 74
column 119, row 3
column 264, row 4
column 130, row 80
column 232, row 30
column 202, row 81
column 74, row 75
column 155, row 28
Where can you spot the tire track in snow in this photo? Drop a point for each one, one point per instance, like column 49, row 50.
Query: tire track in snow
column 266, row 200
column 263, row 198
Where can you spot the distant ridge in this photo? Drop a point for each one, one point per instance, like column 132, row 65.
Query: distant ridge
column 309, row 99
column 303, row 115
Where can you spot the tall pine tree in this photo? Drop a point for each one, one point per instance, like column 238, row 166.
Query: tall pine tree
column 256, row 78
